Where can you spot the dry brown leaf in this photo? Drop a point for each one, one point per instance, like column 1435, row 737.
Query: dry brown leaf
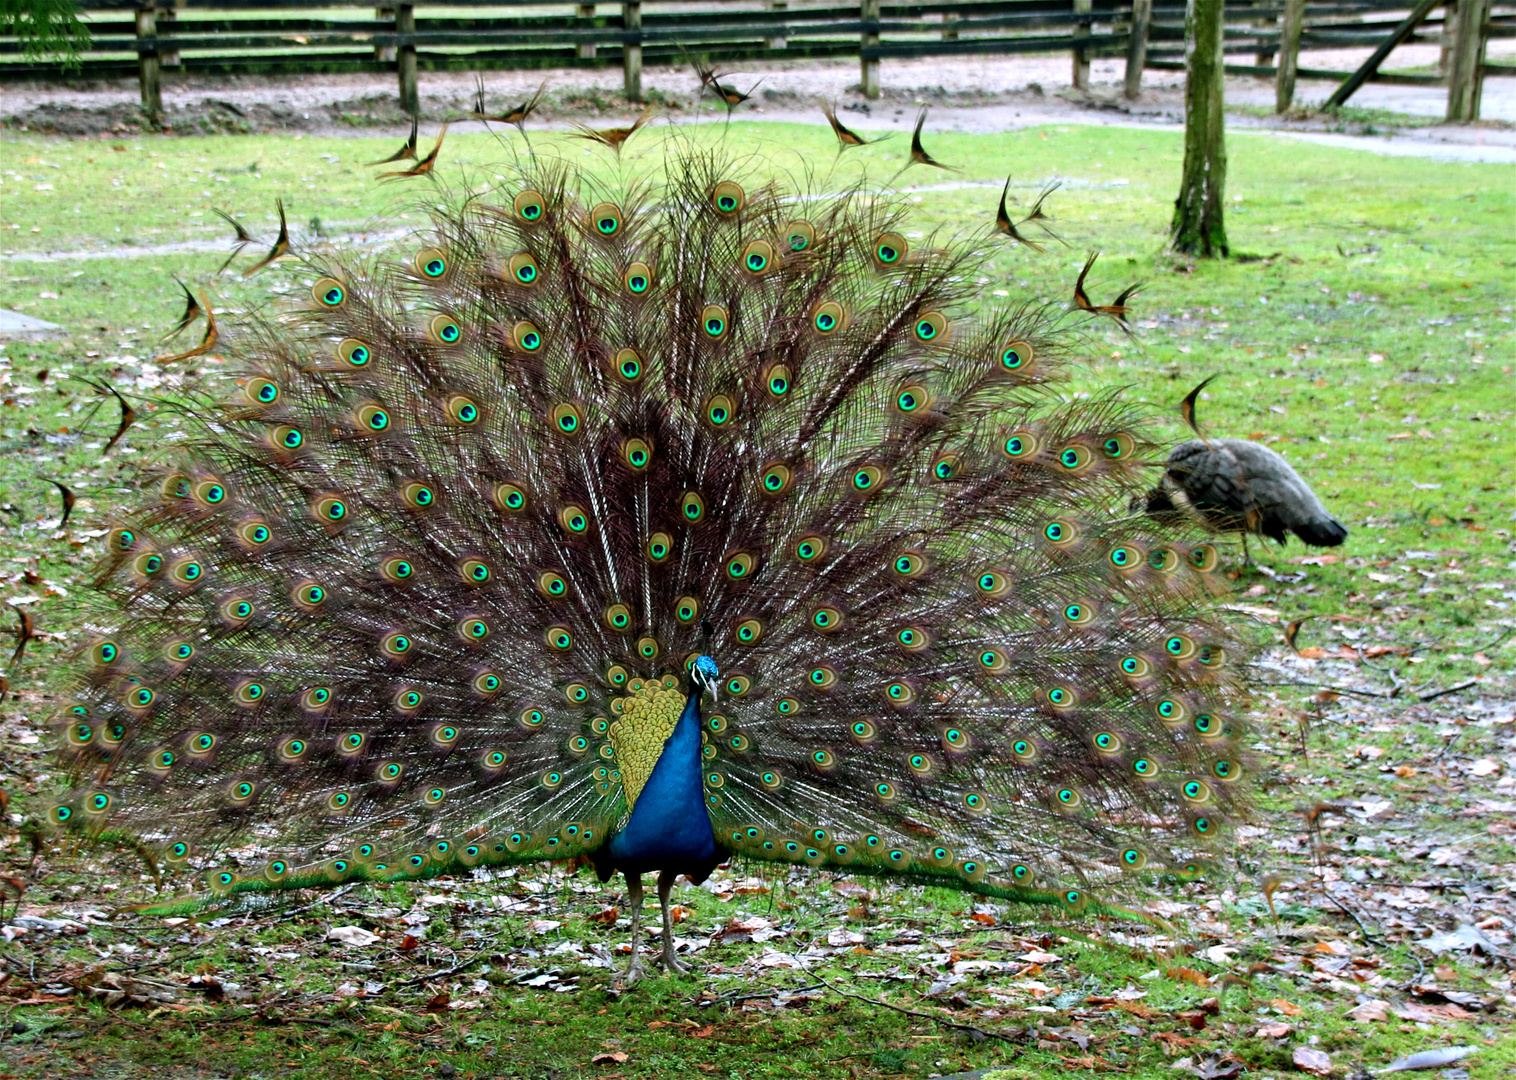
column 1282, row 1006
column 614, row 1057
column 1316, row 1062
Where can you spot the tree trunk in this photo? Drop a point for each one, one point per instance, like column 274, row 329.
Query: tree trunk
column 1137, row 48
column 1289, row 55
column 1198, row 227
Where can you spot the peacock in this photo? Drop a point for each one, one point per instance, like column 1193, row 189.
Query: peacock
column 650, row 518
column 1237, row 485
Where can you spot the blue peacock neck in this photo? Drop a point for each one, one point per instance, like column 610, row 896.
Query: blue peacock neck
column 669, row 828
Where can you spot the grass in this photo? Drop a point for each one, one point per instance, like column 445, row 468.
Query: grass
column 1364, row 331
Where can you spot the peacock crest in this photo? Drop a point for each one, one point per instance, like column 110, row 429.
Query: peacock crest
column 489, row 520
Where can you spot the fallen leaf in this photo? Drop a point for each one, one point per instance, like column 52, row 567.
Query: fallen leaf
column 1372, row 1010
column 615, row 1057
column 352, row 935
column 1282, row 1006
column 1309, row 1059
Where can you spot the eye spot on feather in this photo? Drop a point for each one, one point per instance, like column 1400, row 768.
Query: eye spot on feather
column 354, row 353
column 444, row 330
column 559, row 638
column 912, row 638
column 328, row 293
column 1016, row 356
column 889, row 250
column 1118, row 447
column 728, row 198
column 637, row 279
column 776, row 479
column 800, row 235
column 1165, row 560
column 606, row 220
column 462, row 410
column 758, row 258
column 714, row 321
column 628, row 365
column 719, row 410
column 523, row 269
column 529, row 206
column 692, row 508
column 777, row 381
column 660, row 546
column 431, row 263
column 931, row 327
column 526, row 336
column 828, row 318
column 1020, row 445
column 947, row 466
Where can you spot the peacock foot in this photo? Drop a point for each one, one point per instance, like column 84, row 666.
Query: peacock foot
column 633, row 973
column 673, row 965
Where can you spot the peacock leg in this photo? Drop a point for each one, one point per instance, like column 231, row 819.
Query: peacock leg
column 671, row 962
column 634, row 900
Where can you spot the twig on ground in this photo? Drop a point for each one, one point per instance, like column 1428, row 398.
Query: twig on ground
column 978, row 1034
column 429, row 976
column 1449, row 690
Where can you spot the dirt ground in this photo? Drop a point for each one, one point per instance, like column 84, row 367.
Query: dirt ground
column 979, row 94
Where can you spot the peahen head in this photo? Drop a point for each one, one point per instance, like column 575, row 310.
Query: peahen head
column 704, row 676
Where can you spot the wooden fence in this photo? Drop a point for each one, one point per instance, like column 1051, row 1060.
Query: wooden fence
column 147, row 37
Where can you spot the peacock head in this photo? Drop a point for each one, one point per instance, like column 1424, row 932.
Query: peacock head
column 705, row 676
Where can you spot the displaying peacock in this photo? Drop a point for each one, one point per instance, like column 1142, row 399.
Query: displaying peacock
column 662, row 522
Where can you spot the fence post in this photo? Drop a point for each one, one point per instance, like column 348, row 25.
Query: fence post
column 585, row 51
column 147, row 64
column 385, row 54
column 950, row 18
column 631, row 52
column 1081, row 76
column 1289, row 54
column 776, row 42
column 1265, row 55
column 1466, row 80
column 1449, row 33
column 868, row 11
column 168, row 56
column 1137, row 47
column 405, row 23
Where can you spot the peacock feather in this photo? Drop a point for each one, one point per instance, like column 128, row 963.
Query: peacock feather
column 660, row 521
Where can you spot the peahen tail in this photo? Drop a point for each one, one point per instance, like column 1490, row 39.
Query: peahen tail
column 423, row 594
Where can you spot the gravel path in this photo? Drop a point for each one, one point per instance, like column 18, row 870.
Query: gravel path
column 978, row 94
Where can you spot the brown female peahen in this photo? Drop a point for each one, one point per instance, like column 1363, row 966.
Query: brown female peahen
column 1236, row 485
column 663, row 522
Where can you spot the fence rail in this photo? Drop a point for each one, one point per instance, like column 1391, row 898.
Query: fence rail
column 148, row 37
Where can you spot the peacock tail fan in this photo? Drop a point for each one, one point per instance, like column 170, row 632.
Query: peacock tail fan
column 423, row 594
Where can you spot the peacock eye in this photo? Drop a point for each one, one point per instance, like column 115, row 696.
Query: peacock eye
column 758, row 257
column 800, row 235
column 638, row 278
column 354, row 353
column 889, row 249
column 329, row 293
column 912, row 398
column 1016, row 356
column 828, row 317
column 431, row 262
column 529, row 206
column 719, row 410
column 606, row 218
column 628, row 364
column 727, row 197
column 523, row 269
column 715, row 321
column 931, row 327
